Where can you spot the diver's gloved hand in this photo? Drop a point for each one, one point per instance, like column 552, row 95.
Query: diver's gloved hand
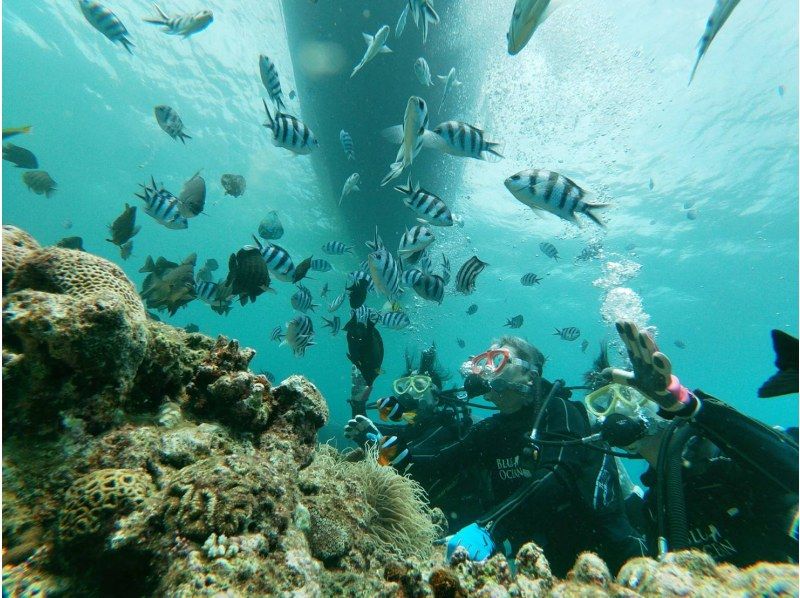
column 475, row 539
column 390, row 409
column 360, row 429
column 652, row 372
column 391, row 451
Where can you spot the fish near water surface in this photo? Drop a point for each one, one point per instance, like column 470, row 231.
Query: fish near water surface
column 464, row 140
column 185, row 24
column 234, row 184
column 410, row 135
column 271, row 81
column 290, row 133
column 270, row 227
column 468, row 273
column 527, row 16
column 722, row 10
column 192, row 198
column 170, row 122
column 552, row 192
column 106, row 22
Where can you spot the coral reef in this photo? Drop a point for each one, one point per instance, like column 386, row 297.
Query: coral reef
column 140, row 460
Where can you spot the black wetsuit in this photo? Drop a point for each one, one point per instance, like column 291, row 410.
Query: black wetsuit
column 566, row 498
column 740, row 492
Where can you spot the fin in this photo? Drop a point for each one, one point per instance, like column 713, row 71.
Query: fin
column 367, row 38
column 401, row 22
column 128, row 44
column 183, row 136
column 442, row 77
column 269, row 116
column 395, row 170
column 393, row 134
column 493, row 151
column 694, row 69
column 432, row 141
column 785, row 381
column 384, row 49
column 356, row 69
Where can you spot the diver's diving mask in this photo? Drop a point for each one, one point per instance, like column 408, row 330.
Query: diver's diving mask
column 415, row 385
column 491, row 363
column 613, row 398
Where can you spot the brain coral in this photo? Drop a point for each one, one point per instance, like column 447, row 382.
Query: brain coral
column 96, row 500
column 17, row 245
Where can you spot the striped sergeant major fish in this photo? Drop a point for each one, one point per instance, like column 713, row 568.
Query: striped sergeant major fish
column 299, row 334
column 271, row 81
column 530, row 279
column 376, row 44
column 465, row 278
column 278, row 260
column 350, row 186
column 411, row 276
column 722, row 10
column 546, row 190
column 395, row 320
column 356, row 275
column 364, row 314
column 549, row 250
column 410, row 135
column 106, row 22
column 527, row 16
column 336, row 303
column 334, row 324
column 450, row 82
column 568, row 334
column 170, row 123
column 445, row 269
column 302, row 300
column 320, row 265
column 277, row 333
column 423, row 72
column 347, row 144
column 162, row 206
column 430, row 287
column 385, row 273
column 185, row 25
column 290, row 133
column 415, row 239
column 336, row 248
column 460, row 139
column 431, row 209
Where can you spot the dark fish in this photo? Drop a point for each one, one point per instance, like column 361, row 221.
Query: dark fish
column 465, row 279
column 691, row 214
column 39, row 182
column 785, row 380
column 335, row 324
column 106, row 22
column 461, row 343
column 584, row 345
column 124, row 227
column 191, row 328
column 192, row 199
column 680, row 344
column 292, row 94
column 364, row 348
column 11, row 131
column 168, row 286
column 472, row 309
column 549, row 250
column 170, row 122
column 651, row 184
column 247, row 274
column 302, row 269
column 530, row 279
column 234, row 184
column 514, row 322
column 71, row 243
column 568, row 334
column 358, row 293
column 19, row 156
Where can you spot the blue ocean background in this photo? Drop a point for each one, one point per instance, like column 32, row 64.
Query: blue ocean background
column 600, row 94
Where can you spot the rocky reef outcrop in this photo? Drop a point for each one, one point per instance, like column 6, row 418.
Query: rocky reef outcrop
column 140, row 460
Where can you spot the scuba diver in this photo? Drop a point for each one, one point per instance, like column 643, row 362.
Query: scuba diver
column 539, row 487
column 423, row 417
column 719, row 481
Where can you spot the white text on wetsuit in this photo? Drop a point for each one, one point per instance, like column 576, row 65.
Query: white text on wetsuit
column 509, row 469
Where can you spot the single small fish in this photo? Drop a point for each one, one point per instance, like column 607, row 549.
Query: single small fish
column 11, row 131
column 162, row 206
column 39, row 182
column 106, row 22
column 385, row 273
column 515, row 322
column 290, row 133
column 270, row 227
column 234, row 184
column 336, row 303
column 568, row 334
column 430, row 207
column 185, row 25
column 461, row 139
column 276, row 334
column 691, row 214
column 651, row 184
column 347, row 144
column 124, row 227
column 781, row 90
column 248, row 275
column 19, row 156
column 415, row 239
column 530, row 279
column 321, row 265
column 358, row 292
column 271, row 81
column 688, row 204
column 336, row 248
column 324, row 292
column 410, row 135
column 334, row 324
column 584, row 345
column 680, row 344
column 472, row 309
column 395, row 320
column 192, row 328
column 302, row 300
column 126, row 249
column 461, row 343
column 430, row 287
column 170, row 122
column 302, row 269
column 423, row 72
column 468, row 273
column 549, row 250
column 375, row 45
column 268, row 375
column 450, row 82
column 350, row 186
column 299, row 334
column 278, row 260
column 71, row 243
column 722, row 10
column 292, row 94
column 546, row 190
column 527, row 16
column 192, row 198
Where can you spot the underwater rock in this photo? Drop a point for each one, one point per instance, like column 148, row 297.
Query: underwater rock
column 17, row 245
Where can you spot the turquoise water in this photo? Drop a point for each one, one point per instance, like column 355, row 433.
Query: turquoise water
column 600, row 94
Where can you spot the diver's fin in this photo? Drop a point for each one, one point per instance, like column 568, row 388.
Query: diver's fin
column 785, row 381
